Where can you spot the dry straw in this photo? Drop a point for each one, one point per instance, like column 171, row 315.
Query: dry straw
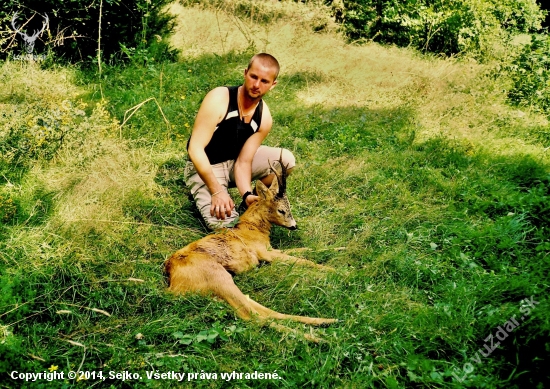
column 131, row 111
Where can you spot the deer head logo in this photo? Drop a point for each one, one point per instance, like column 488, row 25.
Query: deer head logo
column 29, row 40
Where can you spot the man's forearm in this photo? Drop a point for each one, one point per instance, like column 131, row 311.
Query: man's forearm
column 204, row 170
column 243, row 176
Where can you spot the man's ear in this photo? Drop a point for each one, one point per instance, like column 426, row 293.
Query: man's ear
column 273, row 85
column 262, row 190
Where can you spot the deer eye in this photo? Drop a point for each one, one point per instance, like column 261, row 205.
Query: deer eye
column 282, row 212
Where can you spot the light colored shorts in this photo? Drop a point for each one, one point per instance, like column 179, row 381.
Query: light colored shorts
column 225, row 175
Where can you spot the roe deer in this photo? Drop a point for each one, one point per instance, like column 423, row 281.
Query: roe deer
column 204, row 266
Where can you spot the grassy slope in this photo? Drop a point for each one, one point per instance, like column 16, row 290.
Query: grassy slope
column 434, row 188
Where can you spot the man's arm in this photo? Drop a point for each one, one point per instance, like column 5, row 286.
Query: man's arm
column 210, row 113
column 243, row 164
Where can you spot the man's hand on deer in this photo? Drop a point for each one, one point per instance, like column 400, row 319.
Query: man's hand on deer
column 222, row 204
column 251, row 199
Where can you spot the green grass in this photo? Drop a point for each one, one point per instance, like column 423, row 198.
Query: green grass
column 436, row 237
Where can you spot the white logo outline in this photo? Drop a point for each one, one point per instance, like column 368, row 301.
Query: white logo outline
column 29, row 40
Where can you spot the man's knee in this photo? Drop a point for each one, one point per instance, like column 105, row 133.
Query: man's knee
column 214, row 224
column 288, row 159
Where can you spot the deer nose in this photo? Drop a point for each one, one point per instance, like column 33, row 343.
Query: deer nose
column 294, row 227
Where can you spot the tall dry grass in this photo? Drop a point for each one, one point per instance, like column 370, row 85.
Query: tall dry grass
column 94, row 172
column 451, row 97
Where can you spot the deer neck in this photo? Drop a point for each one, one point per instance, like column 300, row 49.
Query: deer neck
column 255, row 218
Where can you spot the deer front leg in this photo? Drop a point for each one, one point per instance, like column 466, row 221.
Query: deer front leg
column 270, row 255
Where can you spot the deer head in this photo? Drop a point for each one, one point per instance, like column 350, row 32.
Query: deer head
column 29, row 40
column 279, row 206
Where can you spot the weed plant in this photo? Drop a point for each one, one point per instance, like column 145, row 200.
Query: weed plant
column 530, row 73
column 415, row 181
column 473, row 28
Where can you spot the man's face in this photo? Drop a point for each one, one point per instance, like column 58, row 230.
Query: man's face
column 258, row 80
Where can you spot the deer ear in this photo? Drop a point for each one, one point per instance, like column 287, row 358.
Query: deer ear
column 262, row 190
column 274, row 187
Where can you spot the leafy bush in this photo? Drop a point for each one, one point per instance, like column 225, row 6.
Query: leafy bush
column 36, row 131
column 530, row 73
column 438, row 26
column 7, row 208
column 73, row 28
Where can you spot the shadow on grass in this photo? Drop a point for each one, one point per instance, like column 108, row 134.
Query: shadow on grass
column 485, row 239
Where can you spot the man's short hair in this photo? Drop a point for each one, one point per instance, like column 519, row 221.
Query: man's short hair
column 266, row 60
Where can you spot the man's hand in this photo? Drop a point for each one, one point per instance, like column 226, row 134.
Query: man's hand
column 222, row 205
column 250, row 199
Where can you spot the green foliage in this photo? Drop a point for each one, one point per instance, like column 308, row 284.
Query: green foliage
column 178, row 87
column 447, row 27
column 73, row 28
column 37, row 130
column 530, row 74
column 8, row 209
column 435, row 241
column 216, row 333
column 11, row 350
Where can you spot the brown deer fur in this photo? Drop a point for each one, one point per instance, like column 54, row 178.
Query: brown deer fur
column 204, row 266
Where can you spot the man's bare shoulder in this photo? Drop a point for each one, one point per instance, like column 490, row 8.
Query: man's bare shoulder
column 214, row 104
column 266, row 110
column 267, row 120
column 217, row 94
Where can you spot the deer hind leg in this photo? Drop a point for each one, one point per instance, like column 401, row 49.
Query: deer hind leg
column 249, row 309
column 211, row 277
column 278, row 255
column 268, row 313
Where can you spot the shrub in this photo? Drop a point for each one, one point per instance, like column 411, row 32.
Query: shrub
column 439, row 26
column 73, row 28
column 40, row 113
column 36, row 131
column 530, row 73
column 8, row 208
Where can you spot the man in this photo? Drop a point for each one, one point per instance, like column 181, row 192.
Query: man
column 225, row 146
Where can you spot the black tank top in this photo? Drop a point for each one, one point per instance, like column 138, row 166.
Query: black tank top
column 231, row 133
